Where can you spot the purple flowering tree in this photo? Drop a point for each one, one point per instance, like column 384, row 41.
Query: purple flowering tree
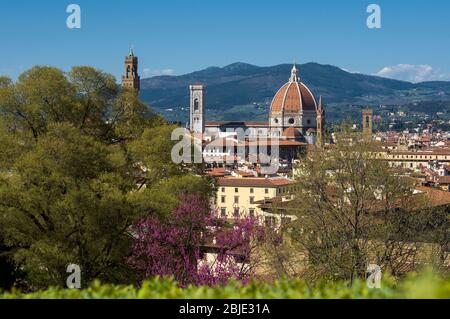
column 194, row 247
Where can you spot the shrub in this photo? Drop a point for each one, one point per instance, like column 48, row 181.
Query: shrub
column 424, row 285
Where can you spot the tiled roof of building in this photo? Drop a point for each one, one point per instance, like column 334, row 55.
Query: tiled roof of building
column 292, row 132
column 255, row 182
column 217, row 172
column 436, row 197
column 443, row 180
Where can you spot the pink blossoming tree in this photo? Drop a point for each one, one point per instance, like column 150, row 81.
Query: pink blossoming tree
column 179, row 244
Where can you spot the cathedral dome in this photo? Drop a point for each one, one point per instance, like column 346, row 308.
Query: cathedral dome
column 293, row 97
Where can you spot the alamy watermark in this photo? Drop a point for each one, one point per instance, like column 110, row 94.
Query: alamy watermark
column 74, row 19
column 74, row 279
column 373, row 276
column 374, row 20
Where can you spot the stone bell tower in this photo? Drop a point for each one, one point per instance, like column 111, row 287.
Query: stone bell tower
column 131, row 79
column 320, row 123
column 197, row 109
column 367, row 124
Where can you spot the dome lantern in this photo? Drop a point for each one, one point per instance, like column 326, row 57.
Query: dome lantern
column 294, row 74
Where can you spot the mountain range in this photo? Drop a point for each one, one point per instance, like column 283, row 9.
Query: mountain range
column 242, row 91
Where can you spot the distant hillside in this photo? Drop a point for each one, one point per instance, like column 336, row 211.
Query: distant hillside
column 242, row 91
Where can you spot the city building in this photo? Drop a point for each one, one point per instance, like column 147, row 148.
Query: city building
column 294, row 113
column 241, row 197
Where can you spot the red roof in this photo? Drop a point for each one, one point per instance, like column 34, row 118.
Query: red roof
column 443, row 180
column 217, row 172
column 293, row 97
column 292, row 132
column 436, row 197
column 254, row 182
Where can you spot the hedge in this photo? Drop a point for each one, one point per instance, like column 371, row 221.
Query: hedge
column 424, row 285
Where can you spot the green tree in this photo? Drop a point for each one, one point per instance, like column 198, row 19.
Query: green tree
column 79, row 160
column 64, row 203
column 42, row 95
column 161, row 181
column 353, row 211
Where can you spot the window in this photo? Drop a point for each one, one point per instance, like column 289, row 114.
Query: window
column 223, row 189
column 236, row 212
column 196, row 105
column 236, row 199
column 308, row 122
column 291, row 121
column 222, row 199
column 251, row 190
column 236, row 190
column 223, row 212
column 252, row 212
column 252, row 200
column 266, row 191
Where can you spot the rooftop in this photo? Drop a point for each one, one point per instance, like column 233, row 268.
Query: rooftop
column 255, row 182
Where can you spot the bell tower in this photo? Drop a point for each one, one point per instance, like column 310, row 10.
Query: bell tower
column 320, row 123
column 367, row 126
column 197, row 109
column 131, row 79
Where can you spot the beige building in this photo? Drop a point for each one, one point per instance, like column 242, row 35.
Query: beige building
column 416, row 159
column 239, row 197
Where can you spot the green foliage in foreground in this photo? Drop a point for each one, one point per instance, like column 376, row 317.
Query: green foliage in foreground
column 425, row 285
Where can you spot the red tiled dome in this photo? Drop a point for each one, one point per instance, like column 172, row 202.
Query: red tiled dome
column 294, row 96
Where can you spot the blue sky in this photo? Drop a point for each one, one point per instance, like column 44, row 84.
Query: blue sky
column 179, row 36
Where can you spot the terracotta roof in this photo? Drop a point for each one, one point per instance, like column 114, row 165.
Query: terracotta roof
column 254, row 182
column 293, row 97
column 443, row 180
column 292, row 132
column 216, row 172
column 245, row 174
column 435, row 196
